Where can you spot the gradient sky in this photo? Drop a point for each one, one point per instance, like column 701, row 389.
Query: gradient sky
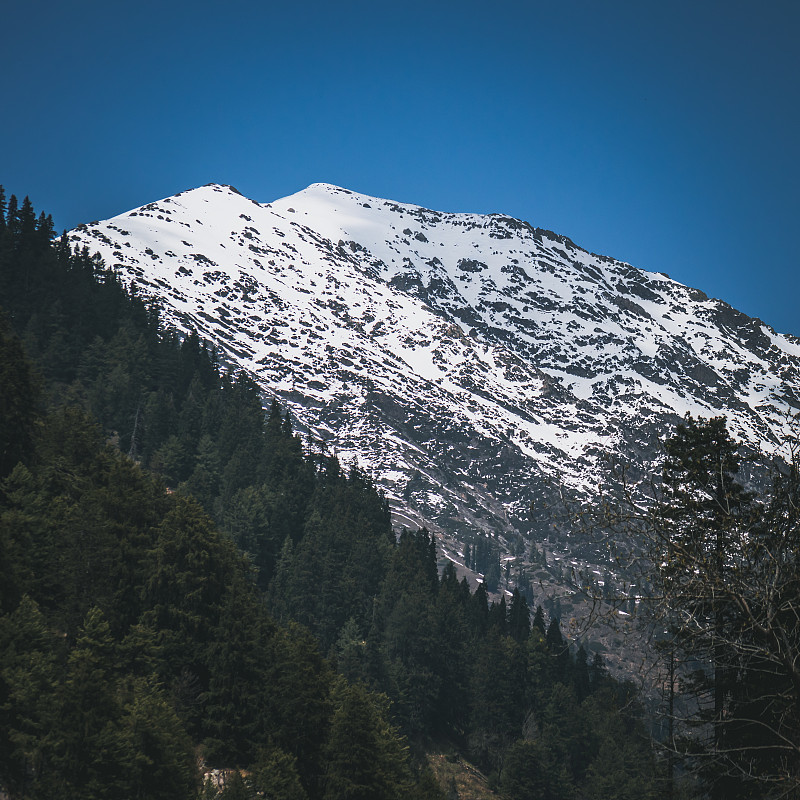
column 664, row 134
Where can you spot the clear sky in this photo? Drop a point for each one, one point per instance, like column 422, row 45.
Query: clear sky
column 664, row 134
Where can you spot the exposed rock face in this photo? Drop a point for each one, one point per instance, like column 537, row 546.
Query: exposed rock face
column 470, row 362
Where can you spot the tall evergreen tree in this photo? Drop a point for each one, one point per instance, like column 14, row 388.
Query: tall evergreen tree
column 538, row 620
column 519, row 622
column 30, row 676
column 19, row 401
column 558, row 647
column 366, row 758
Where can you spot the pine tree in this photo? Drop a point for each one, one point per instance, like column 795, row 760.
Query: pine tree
column 493, row 572
column 479, row 611
column 19, row 401
column 558, row 647
column 12, row 220
column 532, row 772
column 189, row 567
column 598, row 673
column 450, row 658
column 275, row 776
column 30, row 675
column 366, row 757
column 538, row 620
column 581, row 679
column 298, row 704
column 498, row 617
column 87, row 756
column 519, row 623
column 235, row 705
column 153, row 748
column 498, row 682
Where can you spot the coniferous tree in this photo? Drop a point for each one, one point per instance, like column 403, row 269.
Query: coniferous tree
column 29, row 683
column 450, row 658
column 531, row 772
column 89, row 714
column 365, row 754
column 275, row 776
column 498, row 617
column 519, row 623
column 497, row 710
column 493, row 572
column 19, row 401
column 558, row 648
column 538, row 620
column 12, row 220
column 479, row 610
column 154, row 750
column 581, row 678
column 297, row 683
column 235, row 706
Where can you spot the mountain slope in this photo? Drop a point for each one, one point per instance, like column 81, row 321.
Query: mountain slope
column 471, row 362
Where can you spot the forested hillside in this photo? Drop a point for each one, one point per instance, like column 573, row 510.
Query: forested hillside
column 187, row 587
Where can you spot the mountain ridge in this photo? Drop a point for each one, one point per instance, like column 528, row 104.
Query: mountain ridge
column 472, row 363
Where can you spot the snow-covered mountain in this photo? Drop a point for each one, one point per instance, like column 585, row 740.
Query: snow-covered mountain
column 471, row 363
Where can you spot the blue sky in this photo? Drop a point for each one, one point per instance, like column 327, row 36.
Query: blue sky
column 662, row 134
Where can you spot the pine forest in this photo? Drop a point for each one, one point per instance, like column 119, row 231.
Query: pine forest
column 197, row 603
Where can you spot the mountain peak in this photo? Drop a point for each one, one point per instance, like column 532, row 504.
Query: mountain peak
column 206, row 188
column 471, row 362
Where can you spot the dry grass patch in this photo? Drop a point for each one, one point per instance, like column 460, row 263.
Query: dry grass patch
column 469, row 781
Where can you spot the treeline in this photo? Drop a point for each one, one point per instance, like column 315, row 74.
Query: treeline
column 182, row 581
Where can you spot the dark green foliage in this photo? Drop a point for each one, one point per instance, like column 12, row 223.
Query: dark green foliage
column 29, row 677
column 19, row 400
column 297, row 683
column 90, row 712
column 493, row 573
column 235, row 705
column 452, row 629
column 365, row 754
column 427, row 788
column 498, row 617
column 275, row 776
column 484, row 557
column 497, row 707
column 538, row 620
column 349, row 653
column 478, row 610
column 595, row 749
column 190, row 568
column 184, row 645
column 135, row 625
column 336, row 569
column 405, row 627
column 621, row 764
column 158, row 758
column 519, row 617
column 558, row 647
column 581, row 680
column 80, row 517
column 530, row 772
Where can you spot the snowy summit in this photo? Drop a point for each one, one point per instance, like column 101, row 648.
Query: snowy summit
column 468, row 361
